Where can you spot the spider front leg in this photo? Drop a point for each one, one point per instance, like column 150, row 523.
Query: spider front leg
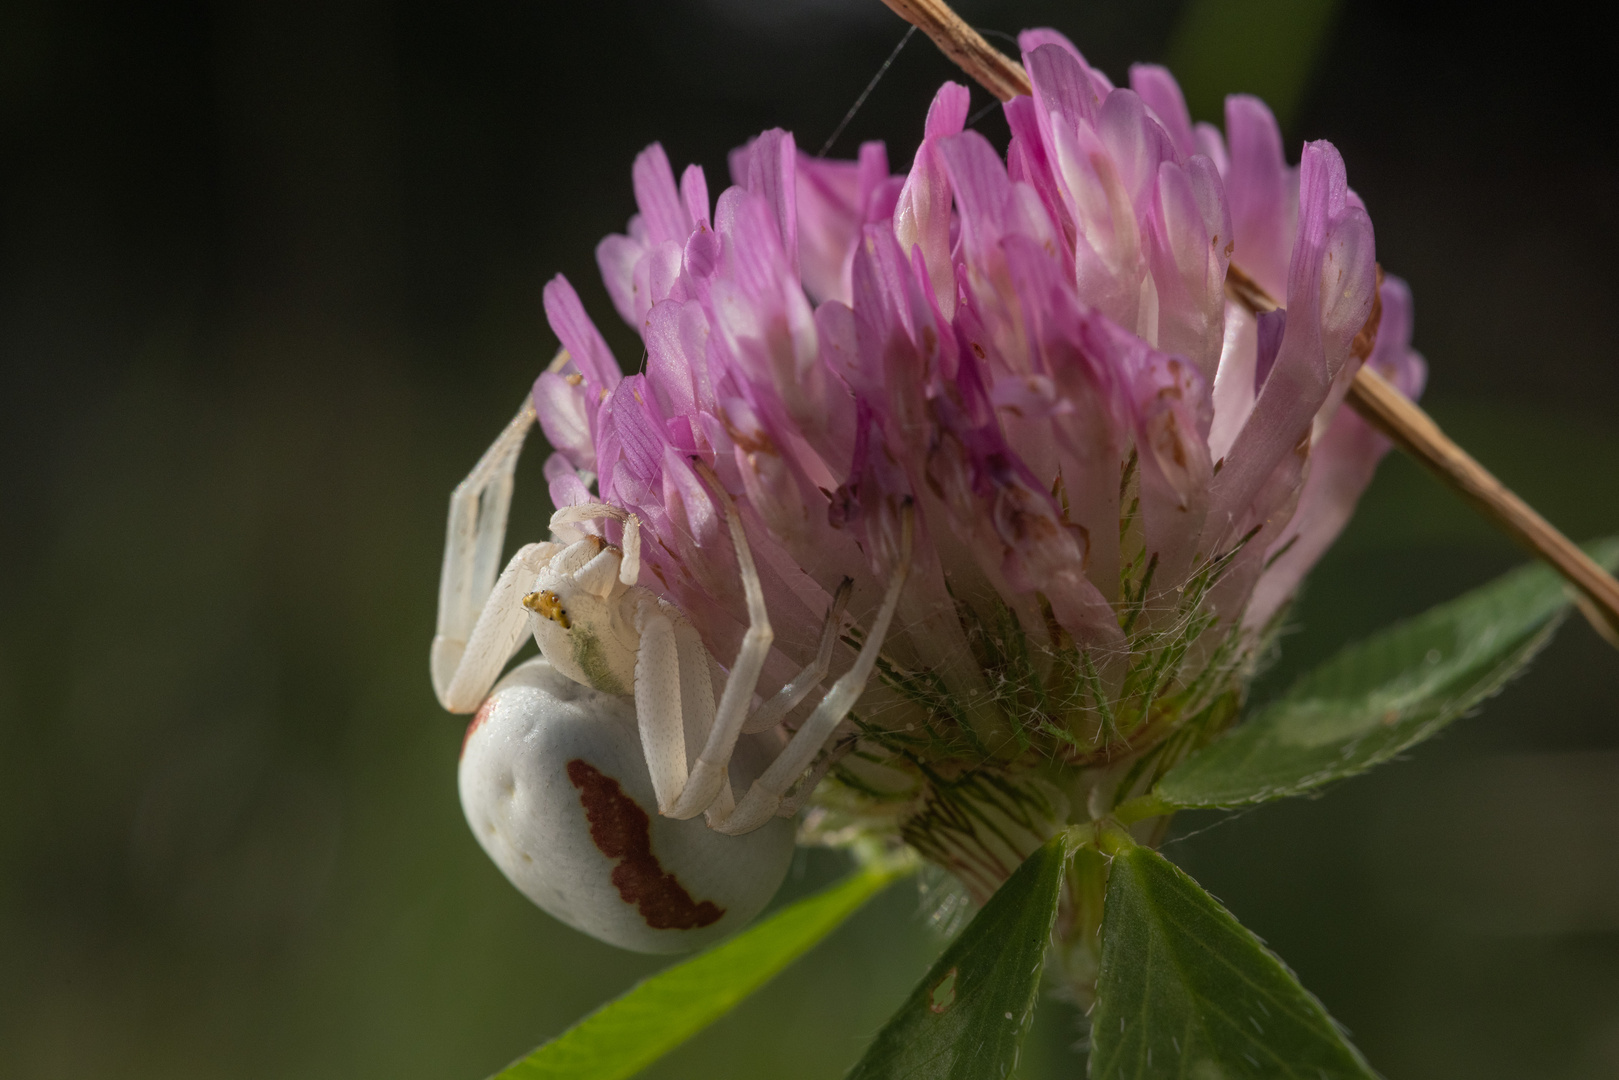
column 629, row 567
column 663, row 652
column 481, row 620
column 764, row 798
column 787, row 698
column 667, row 642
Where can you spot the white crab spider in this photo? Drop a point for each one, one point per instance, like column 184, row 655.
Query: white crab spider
column 618, row 714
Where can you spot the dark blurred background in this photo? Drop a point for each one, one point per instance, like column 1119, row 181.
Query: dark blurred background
column 269, row 282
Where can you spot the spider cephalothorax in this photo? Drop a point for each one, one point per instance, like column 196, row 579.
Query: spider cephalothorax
column 583, row 622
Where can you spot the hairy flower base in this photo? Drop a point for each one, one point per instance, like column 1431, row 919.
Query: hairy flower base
column 1071, row 754
column 1083, row 729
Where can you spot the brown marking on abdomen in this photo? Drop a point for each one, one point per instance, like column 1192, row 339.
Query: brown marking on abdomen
column 621, row 830
column 483, row 713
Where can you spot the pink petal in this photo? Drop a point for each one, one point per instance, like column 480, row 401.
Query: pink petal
column 1062, row 87
column 579, row 336
column 981, row 189
column 767, row 477
column 617, row 257
column 670, row 368
column 1259, row 186
column 1330, row 276
column 661, row 208
column 1211, row 144
column 872, row 165
column 1188, row 261
column 694, row 194
column 1134, row 141
column 1348, row 282
column 922, row 216
column 830, row 212
column 567, row 489
column 630, row 449
column 766, row 167
column 1162, row 95
column 1046, row 556
column 1027, row 160
column 559, row 401
column 1270, row 326
column 1341, row 465
column 1032, row 40
column 664, row 264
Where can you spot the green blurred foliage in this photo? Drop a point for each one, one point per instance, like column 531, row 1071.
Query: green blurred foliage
column 1264, row 47
column 269, row 282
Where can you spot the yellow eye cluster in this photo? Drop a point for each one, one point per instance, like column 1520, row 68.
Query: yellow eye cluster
column 546, row 604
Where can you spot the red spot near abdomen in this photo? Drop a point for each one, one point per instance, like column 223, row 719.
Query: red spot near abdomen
column 621, row 830
column 478, row 718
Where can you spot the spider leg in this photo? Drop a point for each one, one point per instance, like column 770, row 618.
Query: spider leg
column 775, row 710
column 474, row 535
column 470, row 667
column 658, row 711
column 629, row 570
column 764, row 798
column 793, row 801
column 708, row 774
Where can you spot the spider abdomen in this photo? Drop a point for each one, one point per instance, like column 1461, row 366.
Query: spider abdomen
column 555, row 785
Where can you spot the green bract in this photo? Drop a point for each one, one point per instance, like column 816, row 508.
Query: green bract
column 968, row 1015
column 1185, row 991
column 1380, row 696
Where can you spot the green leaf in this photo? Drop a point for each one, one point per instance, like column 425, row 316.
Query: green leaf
column 1186, row 993
column 1379, row 697
column 626, row 1035
column 968, row 1015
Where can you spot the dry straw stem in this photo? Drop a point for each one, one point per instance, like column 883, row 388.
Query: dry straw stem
column 1413, row 431
column 1371, row 395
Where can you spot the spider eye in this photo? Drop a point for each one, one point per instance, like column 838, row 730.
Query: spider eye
column 546, row 604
